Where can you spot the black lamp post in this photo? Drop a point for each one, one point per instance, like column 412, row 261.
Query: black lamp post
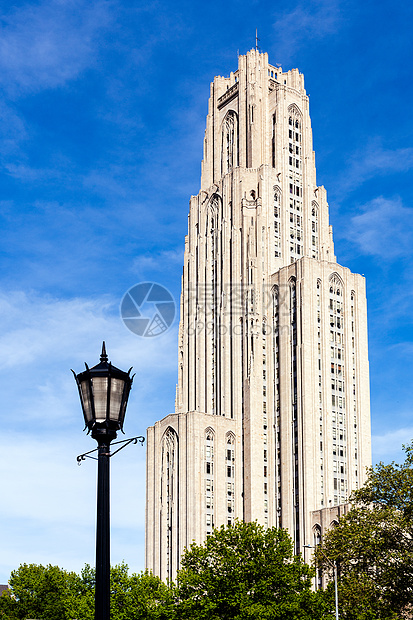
column 333, row 564
column 104, row 392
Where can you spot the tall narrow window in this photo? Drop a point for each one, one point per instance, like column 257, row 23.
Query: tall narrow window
column 229, row 157
column 320, row 389
column 294, row 412
column 277, row 221
column 212, row 296
column 316, row 542
column 230, row 477
column 337, row 374
column 276, row 400
column 354, row 373
column 169, row 487
column 274, row 121
column 314, row 230
column 295, row 173
column 209, row 479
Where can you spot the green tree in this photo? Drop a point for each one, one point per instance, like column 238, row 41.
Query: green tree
column 44, row 592
column 246, row 571
column 373, row 545
column 138, row 596
column 50, row 593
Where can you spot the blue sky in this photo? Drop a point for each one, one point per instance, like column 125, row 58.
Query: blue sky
column 102, row 108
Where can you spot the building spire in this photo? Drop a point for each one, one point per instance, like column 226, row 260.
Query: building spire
column 256, row 39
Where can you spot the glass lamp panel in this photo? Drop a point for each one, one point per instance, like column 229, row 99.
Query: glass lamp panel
column 100, row 395
column 86, row 400
column 116, row 393
column 122, row 413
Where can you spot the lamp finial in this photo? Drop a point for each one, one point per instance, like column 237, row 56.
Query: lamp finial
column 103, row 355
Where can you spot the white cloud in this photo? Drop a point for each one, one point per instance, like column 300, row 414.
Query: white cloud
column 38, row 329
column 44, row 45
column 384, row 229
column 34, row 325
column 393, row 309
column 306, row 22
column 43, row 338
column 388, row 447
column 146, row 263
column 371, row 161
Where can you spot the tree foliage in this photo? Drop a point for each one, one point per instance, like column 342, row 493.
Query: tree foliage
column 51, row 593
column 44, row 592
column 373, row 545
column 246, row 572
column 240, row 572
column 138, row 596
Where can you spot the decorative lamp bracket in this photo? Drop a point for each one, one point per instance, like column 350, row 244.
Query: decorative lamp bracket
column 125, row 442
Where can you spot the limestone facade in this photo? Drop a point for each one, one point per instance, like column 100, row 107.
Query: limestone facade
column 272, row 414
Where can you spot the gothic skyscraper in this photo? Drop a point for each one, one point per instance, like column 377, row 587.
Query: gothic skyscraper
column 272, row 415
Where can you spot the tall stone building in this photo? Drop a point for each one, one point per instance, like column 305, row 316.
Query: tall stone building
column 272, row 416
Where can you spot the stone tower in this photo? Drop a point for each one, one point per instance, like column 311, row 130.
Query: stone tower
column 272, row 416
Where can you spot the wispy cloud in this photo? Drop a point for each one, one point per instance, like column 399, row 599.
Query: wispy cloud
column 44, row 45
column 12, row 128
column 306, row 22
column 372, row 160
column 389, row 446
column 384, row 229
column 43, row 337
column 48, row 512
column 160, row 261
column 48, row 502
column 33, row 325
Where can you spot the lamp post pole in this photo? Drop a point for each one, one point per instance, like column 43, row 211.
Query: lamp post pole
column 104, row 392
column 335, row 586
column 334, row 566
column 102, row 586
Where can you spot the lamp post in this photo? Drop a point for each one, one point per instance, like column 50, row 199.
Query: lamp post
column 334, row 567
column 104, row 392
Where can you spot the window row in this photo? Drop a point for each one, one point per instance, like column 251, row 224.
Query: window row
column 294, row 135
column 294, row 122
column 296, row 190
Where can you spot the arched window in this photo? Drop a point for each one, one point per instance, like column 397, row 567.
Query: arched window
column 209, row 449
column 336, row 285
column 214, row 210
column 354, row 373
column 209, row 455
column 338, row 388
column 169, row 499
column 319, row 371
column 294, row 411
column 316, row 535
column 229, row 156
column 296, row 235
column 276, row 396
column 316, row 542
column 230, row 476
column 295, row 117
column 230, row 438
column 230, row 455
column 314, row 230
